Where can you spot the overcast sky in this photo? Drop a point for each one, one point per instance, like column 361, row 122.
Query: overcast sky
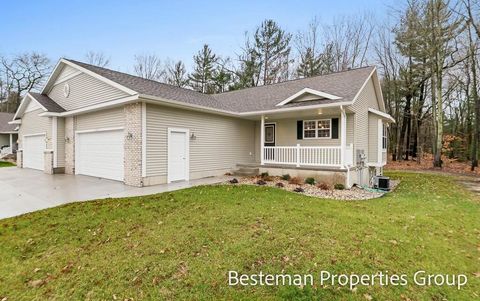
column 170, row 29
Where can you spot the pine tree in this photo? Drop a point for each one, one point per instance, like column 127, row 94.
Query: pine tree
column 272, row 49
column 309, row 64
column 202, row 77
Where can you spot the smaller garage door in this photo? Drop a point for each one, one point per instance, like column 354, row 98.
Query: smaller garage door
column 100, row 154
column 33, row 149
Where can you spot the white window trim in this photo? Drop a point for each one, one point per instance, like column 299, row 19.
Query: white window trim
column 316, row 129
column 187, row 146
column 384, row 136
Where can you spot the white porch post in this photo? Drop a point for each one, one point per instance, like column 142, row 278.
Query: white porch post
column 343, row 136
column 262, row 139
column 11, row 141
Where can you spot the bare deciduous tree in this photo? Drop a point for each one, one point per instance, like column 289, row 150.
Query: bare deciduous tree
column 148, row 66
column 97, row 58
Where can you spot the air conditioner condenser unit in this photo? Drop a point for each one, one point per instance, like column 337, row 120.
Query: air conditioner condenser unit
column 381, row 182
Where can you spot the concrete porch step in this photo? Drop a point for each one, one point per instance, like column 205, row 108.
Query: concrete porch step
column 246, row 171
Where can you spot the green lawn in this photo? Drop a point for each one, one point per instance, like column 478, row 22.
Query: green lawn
column 6, row 164
column 181, row 245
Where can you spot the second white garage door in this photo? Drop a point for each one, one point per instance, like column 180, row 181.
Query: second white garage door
column 100, row 154
column 33, row 148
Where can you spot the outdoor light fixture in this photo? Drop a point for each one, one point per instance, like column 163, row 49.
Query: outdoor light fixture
column 129, row 135
column 192, row 136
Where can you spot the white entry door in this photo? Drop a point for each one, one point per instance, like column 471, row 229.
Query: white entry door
column 178, row 154
column 33, row 149
column 100, row 154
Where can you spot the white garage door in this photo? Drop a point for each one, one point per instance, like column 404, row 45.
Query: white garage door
column 33, row 149
column 100, row 154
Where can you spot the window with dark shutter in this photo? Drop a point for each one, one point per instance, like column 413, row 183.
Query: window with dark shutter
column 334, row 128
column 299, row 129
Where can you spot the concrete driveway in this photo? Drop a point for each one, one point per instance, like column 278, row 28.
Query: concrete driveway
column 27, row 190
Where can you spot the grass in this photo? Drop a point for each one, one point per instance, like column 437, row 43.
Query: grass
column 6, row 164
column 181, row 245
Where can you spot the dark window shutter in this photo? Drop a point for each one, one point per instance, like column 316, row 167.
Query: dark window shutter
column 334, row 128
column 299, row 129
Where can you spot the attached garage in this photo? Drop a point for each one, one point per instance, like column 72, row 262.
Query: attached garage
column 100, row 154
column 33, row 151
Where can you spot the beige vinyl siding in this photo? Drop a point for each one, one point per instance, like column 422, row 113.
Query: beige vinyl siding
column 350, row 128
column 34, row 124
column 85, row 90
column 372, row 138
column 110, row 118
column 4, row 139
column 221, row 142
column 367, row 98
column 66, row 72
column 60, row 142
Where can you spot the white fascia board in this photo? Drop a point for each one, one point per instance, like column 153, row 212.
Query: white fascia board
column 309, row 91
column 303, row 108
column 100, row 106
column 24, row 103
column 364, row 84
column 382, row 114
column 18, row 121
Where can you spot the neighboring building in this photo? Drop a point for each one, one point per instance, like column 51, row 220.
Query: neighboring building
column 8, row 134
column 98, row 122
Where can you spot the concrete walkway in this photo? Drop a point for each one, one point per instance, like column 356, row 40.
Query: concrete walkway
column 27, row 190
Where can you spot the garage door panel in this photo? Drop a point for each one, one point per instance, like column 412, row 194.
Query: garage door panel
column 100, row 154
column 33, row 151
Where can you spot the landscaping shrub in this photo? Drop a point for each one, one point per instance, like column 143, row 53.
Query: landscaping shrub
column 268, row 178
column 264, row 175
column 339, row 186
column 233, row 181
column 299, row 189
column 323, row 186
column 310, row 181
column 296, row 181
column 280, row 184
column 261, row 182
column 286, row 177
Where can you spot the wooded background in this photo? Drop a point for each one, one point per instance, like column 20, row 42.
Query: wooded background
column 427, row 57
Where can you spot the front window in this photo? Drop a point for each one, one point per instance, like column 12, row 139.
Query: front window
column 384, row 136
column 317, row 128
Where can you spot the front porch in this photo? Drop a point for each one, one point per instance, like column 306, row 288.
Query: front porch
column 313, row 139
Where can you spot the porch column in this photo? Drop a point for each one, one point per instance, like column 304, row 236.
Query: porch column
column 262, row 139
column 343, row 136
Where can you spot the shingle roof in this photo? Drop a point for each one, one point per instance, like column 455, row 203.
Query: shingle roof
column 154, row 88
column 4, row 126
column 344, row 84
column 47, row 103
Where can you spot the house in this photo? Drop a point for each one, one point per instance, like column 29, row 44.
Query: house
column 98, row 122
column 8, row 134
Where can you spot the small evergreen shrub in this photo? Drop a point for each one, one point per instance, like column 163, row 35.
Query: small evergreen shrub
column 261, row 182
column 286, row 177
column 339, row 186
column 310, row 181
column 264, row 175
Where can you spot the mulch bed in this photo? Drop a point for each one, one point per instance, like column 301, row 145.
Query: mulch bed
column 354, row 193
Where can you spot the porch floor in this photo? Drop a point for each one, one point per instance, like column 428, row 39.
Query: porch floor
column 288, row 166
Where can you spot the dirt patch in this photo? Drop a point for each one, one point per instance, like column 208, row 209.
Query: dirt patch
column 354, row 193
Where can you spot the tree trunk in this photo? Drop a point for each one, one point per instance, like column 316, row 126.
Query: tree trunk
column 437, row 160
